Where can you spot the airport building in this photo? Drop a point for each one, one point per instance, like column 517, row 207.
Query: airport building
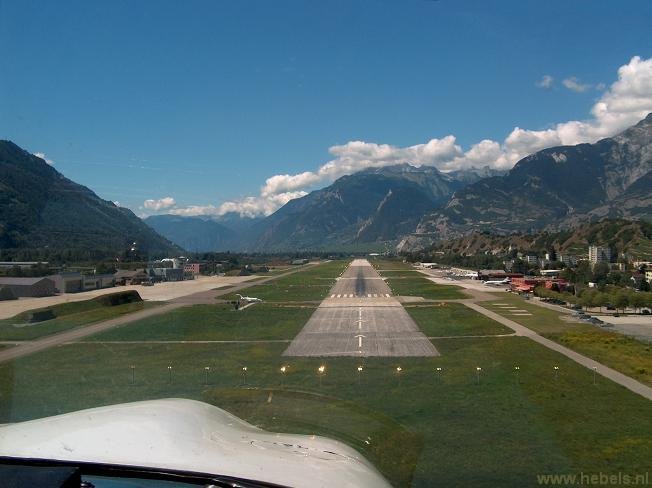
column 527, row 285
column 27, row 287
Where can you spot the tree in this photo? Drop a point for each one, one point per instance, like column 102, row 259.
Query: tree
column 637, row 300
column 621, row 300
column 600, row 272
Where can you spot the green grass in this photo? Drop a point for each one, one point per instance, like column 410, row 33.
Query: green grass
column 620, row 352
column 453, row 319
column 419, row 286
column 69, row 315
column 310, row 284
column 404, row 280
column 216, row 323
column 422, row 430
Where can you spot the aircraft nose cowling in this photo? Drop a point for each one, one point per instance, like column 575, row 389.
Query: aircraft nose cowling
column 188, row 435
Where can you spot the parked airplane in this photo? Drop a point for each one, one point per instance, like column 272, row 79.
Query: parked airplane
column 248, row 299
column 497, row 282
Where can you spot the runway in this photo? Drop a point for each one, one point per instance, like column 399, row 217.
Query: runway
column 359, row 317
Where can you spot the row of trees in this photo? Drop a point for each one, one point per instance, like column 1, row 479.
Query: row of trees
column 609, row 296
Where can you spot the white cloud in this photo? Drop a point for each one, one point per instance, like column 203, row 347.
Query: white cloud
column 159, row 204
column 625, row 102
column 574, row 84
column 44, row 158
column 545, row 82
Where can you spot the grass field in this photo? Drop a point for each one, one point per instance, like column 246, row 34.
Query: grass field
column 453, row 319
column 69, row 315
column 215, row 323
column 310, row 284
column 620, row 352
column 417, row 285
column 405, row 281
column 422, row 429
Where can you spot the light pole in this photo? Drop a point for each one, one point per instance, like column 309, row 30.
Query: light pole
column 398, row 374
column 244, row 375
column 556, row 368
column 320, row 372
column 283, row 371
column 516, row 370
column 133, row 374
column 477, row 374
column 170, row 374
column 439, row 370
column 360, row 369
column 595, row 370
column 206, row 371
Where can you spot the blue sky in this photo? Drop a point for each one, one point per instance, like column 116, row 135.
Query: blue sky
column 202, row 101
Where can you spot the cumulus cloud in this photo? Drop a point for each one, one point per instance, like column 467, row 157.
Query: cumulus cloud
column 545, row 82
column 44, row 158
column 625, row 102
column 575, row 85
column 160, row 204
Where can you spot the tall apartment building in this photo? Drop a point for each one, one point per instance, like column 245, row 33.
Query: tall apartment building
column 599, row 254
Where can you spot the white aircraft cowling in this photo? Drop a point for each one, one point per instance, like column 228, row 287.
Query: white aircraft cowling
column 187, row 435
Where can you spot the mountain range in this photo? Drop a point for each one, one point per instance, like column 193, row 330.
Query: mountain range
column 373, row 206
column 553, row 189
column 41, row 209
column 623, row 236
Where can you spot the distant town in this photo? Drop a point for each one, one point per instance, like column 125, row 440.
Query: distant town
column 33, row 279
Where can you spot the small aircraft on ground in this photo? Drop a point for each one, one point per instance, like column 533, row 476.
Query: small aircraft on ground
column 248, row 299
column 506, row 281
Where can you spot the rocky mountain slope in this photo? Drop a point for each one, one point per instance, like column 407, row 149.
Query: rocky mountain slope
column 552, row 189
column 623, row 236
column 371, row 206
column 205, row 233
column 41, row 209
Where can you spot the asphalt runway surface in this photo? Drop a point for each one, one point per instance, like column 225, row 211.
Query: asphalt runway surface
column 359, row 317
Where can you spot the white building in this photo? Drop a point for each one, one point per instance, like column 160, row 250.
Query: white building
column 599, row 254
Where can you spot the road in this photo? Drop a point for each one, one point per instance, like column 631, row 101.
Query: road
column 360, row 318
column 612, row 374
column 207, row 296
column 480, row 295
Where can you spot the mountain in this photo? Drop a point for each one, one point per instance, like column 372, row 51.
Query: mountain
column 194, row 234
column 204, row 233
column 623, row 236
column 42, row 209
column 369, row 207
column 553, row 189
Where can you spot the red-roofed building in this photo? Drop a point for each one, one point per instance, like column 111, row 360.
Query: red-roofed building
column 528, row 284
